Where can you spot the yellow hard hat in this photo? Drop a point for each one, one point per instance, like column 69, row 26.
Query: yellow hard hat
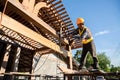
column 79, row 20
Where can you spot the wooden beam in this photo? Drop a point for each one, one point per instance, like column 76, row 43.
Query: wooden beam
column 19, row 28
column 45, row 50
column 56, row 3
column 21, row 74
column 39, row 6
column 51, row 1
column 75, row 73
column 14, row 5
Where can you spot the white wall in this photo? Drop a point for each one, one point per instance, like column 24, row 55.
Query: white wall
column 47, row 65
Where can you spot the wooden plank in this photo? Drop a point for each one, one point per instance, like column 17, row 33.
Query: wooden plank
column 73, row 72
column 45, row 50
column 51, row 1
column 66, row 15
column 21, row 74
column 59, row 6
column 94, row 74
column 56, row 3
column 19, row 28
column 62, row 9
column 70, row 72
column 13, row 4
column 66, row 70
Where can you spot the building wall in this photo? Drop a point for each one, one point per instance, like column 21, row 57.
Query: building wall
column 47, row 65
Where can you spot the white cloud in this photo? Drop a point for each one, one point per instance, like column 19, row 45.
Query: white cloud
column 102, row 32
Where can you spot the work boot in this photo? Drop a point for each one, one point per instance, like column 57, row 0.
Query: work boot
column 81, row 67
column 95, row 66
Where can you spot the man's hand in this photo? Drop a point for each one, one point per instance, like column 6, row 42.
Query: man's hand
column 84, row 41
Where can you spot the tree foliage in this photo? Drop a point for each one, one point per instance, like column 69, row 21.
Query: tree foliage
column 78, row 55
column 115, row 69
column 104, row 62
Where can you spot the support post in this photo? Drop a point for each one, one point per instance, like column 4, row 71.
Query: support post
column 69, row 60
column 11, row 62
column 2, row 52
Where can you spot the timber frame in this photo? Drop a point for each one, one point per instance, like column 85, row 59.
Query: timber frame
column 41, row 26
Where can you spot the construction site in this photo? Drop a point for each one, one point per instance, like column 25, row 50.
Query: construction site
column 35, row 42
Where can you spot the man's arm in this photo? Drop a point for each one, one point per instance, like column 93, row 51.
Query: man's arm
column 74, row 32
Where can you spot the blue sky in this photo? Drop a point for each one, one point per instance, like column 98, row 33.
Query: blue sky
column 102, row 17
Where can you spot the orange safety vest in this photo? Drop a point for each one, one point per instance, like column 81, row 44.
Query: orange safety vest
column 85, row 41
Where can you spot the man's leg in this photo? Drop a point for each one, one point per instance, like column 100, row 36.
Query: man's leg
column 83, row 58
column 94, row 56
column 95, row 64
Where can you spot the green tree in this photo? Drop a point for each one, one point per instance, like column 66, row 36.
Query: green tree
column 89, row 60
column 78, row 55
column 104, row 62
column 115, row 69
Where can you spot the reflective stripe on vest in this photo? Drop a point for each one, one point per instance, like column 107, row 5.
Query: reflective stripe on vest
column 85, row 41
column 80, row 32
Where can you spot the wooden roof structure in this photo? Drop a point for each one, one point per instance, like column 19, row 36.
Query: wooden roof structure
column 39, row 25
column 51, row 12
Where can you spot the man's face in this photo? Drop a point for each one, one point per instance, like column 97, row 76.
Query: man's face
column 80, row 26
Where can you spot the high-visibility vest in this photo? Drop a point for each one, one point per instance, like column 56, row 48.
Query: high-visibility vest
column 85, row 41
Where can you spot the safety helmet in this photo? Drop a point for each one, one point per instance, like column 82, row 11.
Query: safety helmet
column 79, row 20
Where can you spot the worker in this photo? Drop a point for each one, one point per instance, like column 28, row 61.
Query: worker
column 88, row 44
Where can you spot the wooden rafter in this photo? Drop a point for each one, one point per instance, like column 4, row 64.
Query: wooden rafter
column 31, row 34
